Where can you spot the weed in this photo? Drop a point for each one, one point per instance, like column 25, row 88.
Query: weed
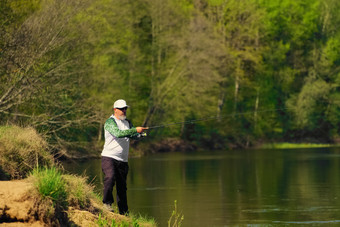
column 135, row 223
column 176, row 218
column 101, row 222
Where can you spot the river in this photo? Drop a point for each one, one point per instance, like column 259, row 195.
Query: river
column 285, row 187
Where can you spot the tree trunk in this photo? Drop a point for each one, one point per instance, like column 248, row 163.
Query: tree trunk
column 220, row 103
column 236, row 93
column 238, row 73
column 256, row 107
column 100, row 131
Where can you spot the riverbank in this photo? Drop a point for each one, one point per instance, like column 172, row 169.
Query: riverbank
column 20, row 205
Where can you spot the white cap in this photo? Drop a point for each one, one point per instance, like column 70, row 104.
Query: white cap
column 120, row 103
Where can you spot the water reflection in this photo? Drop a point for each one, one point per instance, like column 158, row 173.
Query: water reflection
column 223, row 188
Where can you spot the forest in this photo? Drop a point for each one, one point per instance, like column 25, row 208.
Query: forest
column 253, row 71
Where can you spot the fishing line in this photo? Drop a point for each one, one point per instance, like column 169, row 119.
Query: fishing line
column 193, row 121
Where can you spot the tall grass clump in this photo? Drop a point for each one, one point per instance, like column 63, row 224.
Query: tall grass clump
column 22, row 150
column 79, row 192
column 51, row 185
column 50, row 196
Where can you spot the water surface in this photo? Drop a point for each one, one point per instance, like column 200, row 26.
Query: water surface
column 225, row 188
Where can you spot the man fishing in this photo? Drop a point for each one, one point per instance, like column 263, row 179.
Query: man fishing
column 118, row 131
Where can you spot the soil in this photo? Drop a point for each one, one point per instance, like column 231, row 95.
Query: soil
column 15, row 209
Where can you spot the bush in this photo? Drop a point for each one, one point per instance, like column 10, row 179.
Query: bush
column 79, row 193
column 22, row 150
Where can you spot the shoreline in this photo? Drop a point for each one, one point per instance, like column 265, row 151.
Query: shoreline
column 177, row 145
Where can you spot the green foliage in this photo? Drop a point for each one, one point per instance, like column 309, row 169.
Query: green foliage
column 311, row 102
column 330, row 55
column 64, row 64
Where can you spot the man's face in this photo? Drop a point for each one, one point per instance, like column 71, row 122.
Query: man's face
column 120, row 113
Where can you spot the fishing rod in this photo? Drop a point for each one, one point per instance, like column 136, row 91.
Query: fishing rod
column 193, row 121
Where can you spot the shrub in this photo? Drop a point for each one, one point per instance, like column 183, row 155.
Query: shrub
column 22, row 150
column 79, row 192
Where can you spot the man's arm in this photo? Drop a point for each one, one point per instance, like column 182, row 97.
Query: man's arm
column 111, row 127
column 139, row 131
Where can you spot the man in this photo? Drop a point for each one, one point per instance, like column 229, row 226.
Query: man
column 118, row 131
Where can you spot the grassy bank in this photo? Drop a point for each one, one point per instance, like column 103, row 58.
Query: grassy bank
column 294, row 145
column 61, row 198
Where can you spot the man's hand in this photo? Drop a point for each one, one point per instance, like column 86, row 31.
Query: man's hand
column 141, row 129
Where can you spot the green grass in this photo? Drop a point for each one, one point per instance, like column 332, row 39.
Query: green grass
column 293, row 145
column 102, row 222
column 63, row 189
column 51, row 185
column 134, row 221
column 139, row 220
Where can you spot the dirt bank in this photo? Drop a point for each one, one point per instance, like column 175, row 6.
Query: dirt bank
column 15, row 206
column 19, row 208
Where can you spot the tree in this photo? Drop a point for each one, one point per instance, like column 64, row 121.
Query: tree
column 240, row 26
column 188, row 57
column 40, row 71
